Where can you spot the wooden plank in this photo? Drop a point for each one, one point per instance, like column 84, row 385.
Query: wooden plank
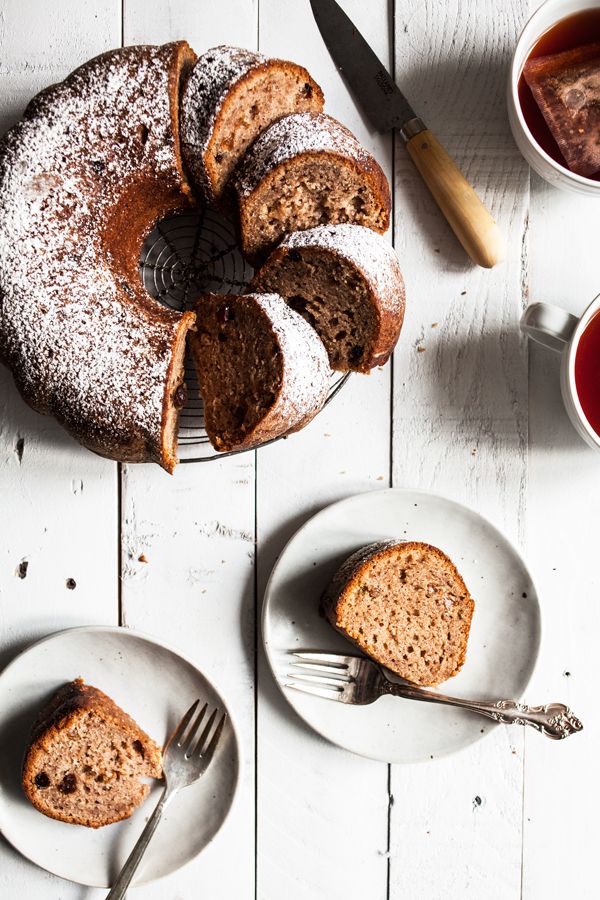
column 194, row 587
column 42, row 43
column 188, row 579
column 203, row 25
column 562, row 783
column 460, row 412
column 59, row 502
column 464, row 393
column 322, row 813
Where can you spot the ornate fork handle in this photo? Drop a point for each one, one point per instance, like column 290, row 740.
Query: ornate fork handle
column 555, row 720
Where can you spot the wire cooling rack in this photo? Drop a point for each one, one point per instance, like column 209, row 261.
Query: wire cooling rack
column 186, row 255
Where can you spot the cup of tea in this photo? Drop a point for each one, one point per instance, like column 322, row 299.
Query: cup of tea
column 553, row 79
column 578, row 339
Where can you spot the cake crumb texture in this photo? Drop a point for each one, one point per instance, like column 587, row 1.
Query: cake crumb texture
column 86, row 757
column 406, row 606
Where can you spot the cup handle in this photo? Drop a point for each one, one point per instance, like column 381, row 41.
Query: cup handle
column 549, row 325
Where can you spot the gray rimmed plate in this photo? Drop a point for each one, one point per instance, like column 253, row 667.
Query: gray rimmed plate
column 155, row 685
column 503, row 643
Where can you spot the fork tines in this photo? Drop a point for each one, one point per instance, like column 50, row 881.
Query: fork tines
column 185, row 734
column 323, row 675
column 332, row 659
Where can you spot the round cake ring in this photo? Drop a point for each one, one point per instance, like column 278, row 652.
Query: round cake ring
column 186, row 255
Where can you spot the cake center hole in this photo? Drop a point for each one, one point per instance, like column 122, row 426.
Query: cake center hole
column 190, row 254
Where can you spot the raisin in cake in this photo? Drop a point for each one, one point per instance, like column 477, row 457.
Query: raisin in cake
column 305, row 170
column 262, row 369
column 406, row 606
column 345, row 280
column 231, row 96
column 86, row 757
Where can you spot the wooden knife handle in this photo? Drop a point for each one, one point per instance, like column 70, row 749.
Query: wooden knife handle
column 467, row 216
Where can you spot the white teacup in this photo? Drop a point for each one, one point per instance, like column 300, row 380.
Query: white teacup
column 549, row 13
column 557, row 329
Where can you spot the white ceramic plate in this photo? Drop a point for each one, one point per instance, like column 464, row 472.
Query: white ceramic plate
column 154, row 685
column 503, row 643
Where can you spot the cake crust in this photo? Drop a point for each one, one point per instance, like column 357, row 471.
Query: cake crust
column 365, row 309
column 84, row 176
column 280, row 392
column 232, row 81
column 405, row 604
column 297, row 147
column 72, row 706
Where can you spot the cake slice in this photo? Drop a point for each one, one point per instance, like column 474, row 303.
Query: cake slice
column 307, row 170
column 406, row 606
column 231, row 96
column 85, row 759
column 345, row 280
column 263, row 370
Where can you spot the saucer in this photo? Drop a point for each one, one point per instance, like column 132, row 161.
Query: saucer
column 503, row 643
column 155, row 685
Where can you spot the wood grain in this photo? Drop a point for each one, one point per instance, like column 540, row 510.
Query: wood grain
column 460, row 414
column 58, row 502
column 510, row 818
column 311, row 841
column 195, row 532
column 562, row 789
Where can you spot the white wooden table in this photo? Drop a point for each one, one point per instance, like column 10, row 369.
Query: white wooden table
column 467, row 410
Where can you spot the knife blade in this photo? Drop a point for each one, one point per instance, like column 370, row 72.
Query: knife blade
column 387, row 108
column 379, row 96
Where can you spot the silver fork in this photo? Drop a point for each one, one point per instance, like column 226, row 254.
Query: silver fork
column 357, row 680
column 185, row 759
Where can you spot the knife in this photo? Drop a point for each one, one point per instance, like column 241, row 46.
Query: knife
column 387, row 108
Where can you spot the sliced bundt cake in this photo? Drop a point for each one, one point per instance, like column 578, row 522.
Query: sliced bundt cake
column 405, row 605
column 86, row 757
column 84, row 176
column 231, row 96
column 307, row 170
column 345, row 280
column 262, row 369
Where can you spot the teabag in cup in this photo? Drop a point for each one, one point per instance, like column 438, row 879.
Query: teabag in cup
column 566, row 87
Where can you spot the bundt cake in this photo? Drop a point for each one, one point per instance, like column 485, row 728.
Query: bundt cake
column 83, row 178
column 405, row 605
column 345, row 280
column 263, row 371
column 96, row 161
column 305, row 170
column 85, row 758
column 231, row 96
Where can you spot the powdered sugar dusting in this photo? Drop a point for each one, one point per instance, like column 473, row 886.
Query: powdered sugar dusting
column 306, row 371
column 213, row 76
column 368, row 251
column 83, row 344
column 291, row 136
column 352, row 565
